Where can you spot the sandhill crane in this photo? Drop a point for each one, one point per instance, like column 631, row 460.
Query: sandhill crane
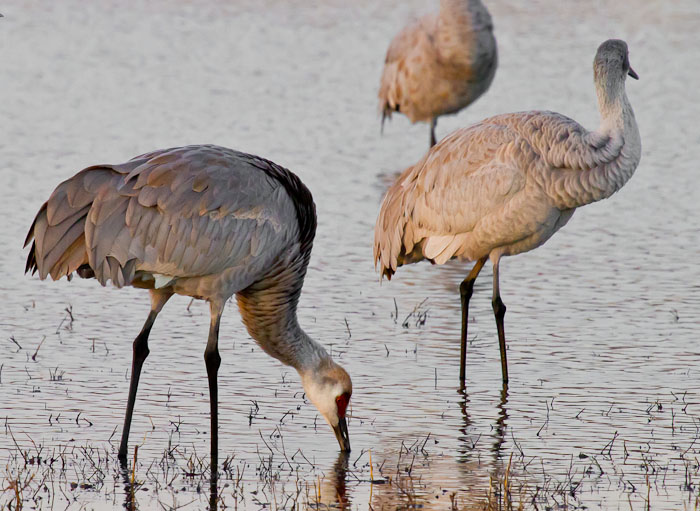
column 508, row 183
column 206, row 222
column 439, row 64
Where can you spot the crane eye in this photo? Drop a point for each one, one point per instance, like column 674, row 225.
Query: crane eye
column 342, row 403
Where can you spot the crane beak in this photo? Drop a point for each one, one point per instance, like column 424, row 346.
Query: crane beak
column 633, row 74
column 341, row 433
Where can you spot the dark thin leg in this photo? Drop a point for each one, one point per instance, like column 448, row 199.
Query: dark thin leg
column 213, row 495
column 141, row 351
column 433, row 123
column 465, row 292
column 499, row 310
column 213, row 361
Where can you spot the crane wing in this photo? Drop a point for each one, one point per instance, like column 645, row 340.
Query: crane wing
column 468, row 187
column 559, row 141
column 183, row 212
column 438, row 201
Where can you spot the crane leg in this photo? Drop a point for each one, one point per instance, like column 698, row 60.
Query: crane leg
column 433, row 123
column 499, row 310
column 158, row 300
column 213, row 361
column 466, row 288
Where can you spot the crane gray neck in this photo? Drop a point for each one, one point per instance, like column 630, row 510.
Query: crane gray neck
column 619, row 126
column 606, row 159
column 269, row 311
column 617, row 150
column 613, row 104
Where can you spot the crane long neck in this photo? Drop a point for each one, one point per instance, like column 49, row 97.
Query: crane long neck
column 269, row 312
column 616, row 151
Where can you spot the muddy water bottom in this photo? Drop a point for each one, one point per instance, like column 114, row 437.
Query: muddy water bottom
column 602, row 322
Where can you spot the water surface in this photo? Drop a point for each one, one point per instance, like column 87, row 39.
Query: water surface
column 602, row 321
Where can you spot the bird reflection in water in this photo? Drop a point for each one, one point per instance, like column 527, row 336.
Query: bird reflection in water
column 468, row 445
column 130, row 487
column 333, row 490
column 501, row 426
column 474, row 472
column 465, row 442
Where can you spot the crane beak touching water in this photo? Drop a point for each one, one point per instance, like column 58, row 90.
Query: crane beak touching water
column 341, row 433
column 632, row 73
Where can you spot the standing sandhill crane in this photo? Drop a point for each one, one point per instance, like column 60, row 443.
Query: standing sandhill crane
column 206, row 222
column 508, row 183
column 439, row 64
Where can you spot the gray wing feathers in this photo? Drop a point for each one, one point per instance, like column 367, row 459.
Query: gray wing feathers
column 58, row 229
column 170, row 212
column 61, row 238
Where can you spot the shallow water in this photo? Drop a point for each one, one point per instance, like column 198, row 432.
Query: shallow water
column 602, row 321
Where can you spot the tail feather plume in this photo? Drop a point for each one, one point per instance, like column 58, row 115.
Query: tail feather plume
column 57, row 233
column 389, row 249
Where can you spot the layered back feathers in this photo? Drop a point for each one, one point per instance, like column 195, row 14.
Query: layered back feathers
column 183, row 212
column 499, row 183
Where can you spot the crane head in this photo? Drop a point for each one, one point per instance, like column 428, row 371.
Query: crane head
column 611, row 63
column 329, row 388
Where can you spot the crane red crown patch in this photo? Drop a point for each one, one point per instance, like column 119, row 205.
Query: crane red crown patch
column 342, row 402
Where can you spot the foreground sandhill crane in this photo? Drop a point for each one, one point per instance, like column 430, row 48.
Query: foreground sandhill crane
column 200, row 221
column 508, row 183
column 439, row 64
